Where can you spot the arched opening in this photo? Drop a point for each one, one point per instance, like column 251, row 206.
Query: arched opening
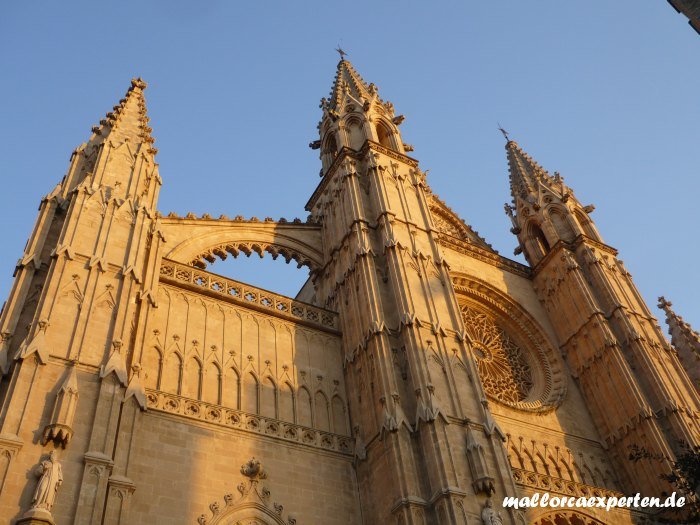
column 586, row 225
column 384, row 135
column 330, row 150
column 538, row 237
column 561, row 225
column 356, row 136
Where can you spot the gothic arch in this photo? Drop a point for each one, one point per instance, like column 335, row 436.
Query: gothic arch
column 548, row 375
column 559, row 217
column 200, row 241
column 385, row 134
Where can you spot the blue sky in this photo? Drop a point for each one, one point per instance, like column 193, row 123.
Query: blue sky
column 604, row 92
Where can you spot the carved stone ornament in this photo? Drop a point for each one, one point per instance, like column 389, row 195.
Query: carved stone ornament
column 489, row 516
column 254, row 506
column 60, row 429
column 50, row 477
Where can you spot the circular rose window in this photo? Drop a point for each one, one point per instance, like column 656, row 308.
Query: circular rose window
column 512, row 371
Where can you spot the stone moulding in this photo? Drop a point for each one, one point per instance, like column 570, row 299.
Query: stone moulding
column 242, row 294
column 484, row 255
column 535, row 480
column 357, row 155
column 235, row 419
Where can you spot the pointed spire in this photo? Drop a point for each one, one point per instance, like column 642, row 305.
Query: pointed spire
column 525, row 174
column 347, row 80
column 128, row 119
column 684, row 339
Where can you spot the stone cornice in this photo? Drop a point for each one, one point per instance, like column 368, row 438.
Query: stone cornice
column 346, row 152
column 571, row 246
column 483, row 255
column 219, row 416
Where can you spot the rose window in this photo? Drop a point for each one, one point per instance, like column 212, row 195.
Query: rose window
column 504, row 367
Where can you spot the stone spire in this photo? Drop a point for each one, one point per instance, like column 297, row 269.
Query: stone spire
column 526, row 175
column 128, row 120
column 684, row 339
column 349, row 81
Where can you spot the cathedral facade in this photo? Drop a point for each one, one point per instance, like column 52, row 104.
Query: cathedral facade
column 418, row 377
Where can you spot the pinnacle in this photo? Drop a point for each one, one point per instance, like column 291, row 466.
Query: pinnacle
column 683, row 337
column 128, row 121
column 348, row 80
column 525, row 173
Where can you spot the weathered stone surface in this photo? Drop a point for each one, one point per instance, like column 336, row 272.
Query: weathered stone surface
column 418, row 377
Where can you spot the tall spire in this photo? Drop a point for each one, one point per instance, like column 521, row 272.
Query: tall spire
column 526, row 175
column 128, row 120
column 684, row 339
column 349, row 81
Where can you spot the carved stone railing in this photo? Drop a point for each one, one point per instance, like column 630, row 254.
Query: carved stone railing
column 247, row 295
column 226, row 417
column 547, row 483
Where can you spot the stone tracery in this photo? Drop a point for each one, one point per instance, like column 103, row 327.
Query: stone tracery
column 504, row 371
column 518, row 365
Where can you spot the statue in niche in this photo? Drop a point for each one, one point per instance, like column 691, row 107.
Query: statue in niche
column 51, row 478
column 489, row 516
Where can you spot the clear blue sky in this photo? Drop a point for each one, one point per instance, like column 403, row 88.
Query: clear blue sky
column 604, row 92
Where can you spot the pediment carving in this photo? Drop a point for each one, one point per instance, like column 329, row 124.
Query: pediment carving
column 252, row 505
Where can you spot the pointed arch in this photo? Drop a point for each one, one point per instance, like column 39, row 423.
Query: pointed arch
column 231, row 389
column 304, row 407
column 286, row 402
column 586, row 225
column 538, row 239
column 385, row 135
column 569, row 470
column 152, row 363
column 355, row 132
column 268, row 398
column 321, row 419
column 249, row 394
column 212, row 386
column 519, row 457
column 561, row 223
column 545, row 464
column 192, row 379
column 340, row 418
column 172, row 374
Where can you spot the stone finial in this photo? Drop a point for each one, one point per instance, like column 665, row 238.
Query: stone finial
column 253, row 470
column 138, row 83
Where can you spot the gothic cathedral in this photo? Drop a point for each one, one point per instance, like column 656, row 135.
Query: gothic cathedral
column 418, row 377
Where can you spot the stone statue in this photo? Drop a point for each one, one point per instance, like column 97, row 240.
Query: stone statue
column 51, row 479
column 489, row 516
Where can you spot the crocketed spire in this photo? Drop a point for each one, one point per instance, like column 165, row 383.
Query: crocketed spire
column 347, row 80
column 525, row 174
column 127, row 120
column 684, row 339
